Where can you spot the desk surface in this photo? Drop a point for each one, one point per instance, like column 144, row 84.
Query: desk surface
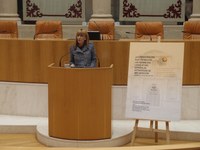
column 26, row 60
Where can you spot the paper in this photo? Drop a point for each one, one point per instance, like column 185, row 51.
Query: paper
column 155, row 81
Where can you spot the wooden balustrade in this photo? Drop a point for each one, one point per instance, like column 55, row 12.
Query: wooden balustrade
column 26, row 60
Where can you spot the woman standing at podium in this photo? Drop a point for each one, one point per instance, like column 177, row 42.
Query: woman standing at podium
column 82, row 53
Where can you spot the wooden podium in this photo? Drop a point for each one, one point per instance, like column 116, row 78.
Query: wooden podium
column 80, row 102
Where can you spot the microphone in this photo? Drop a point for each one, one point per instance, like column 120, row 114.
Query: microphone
column 54, row 31
column 98, row 27
column 98, row 62
column 60, row 60
column 51, row 32
column 130, row 32
column 190, row 32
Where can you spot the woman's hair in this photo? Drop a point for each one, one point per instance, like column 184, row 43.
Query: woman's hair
column 83, row 33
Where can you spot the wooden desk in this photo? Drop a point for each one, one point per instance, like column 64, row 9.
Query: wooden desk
column 26, row 60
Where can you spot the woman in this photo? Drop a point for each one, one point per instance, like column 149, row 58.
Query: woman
column 82, row 53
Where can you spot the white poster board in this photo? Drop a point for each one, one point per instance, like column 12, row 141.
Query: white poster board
column 155, row 81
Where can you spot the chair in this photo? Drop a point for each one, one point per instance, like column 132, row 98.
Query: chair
column 8, row 29
column 48, row 30
column 149, row 30
column 191, row 30
column 106, row 28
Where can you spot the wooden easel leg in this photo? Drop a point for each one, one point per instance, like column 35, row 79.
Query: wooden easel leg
column 151, row 128
column 134, row 131
column 167, row 132
column 151, row 124
column 156, row 133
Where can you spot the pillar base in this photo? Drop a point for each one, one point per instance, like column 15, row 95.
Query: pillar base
column 10, row 17
column 104, row 16
column 195, row 17
column 99, row 17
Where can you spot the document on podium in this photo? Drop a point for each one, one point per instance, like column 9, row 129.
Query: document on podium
column 155, row 81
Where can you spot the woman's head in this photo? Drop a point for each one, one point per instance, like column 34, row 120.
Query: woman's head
column 82, row 37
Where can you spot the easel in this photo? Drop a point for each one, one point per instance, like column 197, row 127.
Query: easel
column 152, row 129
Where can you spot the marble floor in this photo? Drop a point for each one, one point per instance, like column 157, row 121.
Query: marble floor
column 188, row 130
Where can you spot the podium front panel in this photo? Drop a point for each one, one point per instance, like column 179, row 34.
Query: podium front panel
column 80, row 103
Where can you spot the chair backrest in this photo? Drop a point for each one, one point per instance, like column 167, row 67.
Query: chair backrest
column 191, row 30
column 48, row 30
column 106, row 28
column 149, row 30
column 8, row 29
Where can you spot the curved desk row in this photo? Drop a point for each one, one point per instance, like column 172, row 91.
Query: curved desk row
column 25, row 60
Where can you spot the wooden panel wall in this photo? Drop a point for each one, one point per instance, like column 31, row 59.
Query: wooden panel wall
column 191, row 70
column 26, row 60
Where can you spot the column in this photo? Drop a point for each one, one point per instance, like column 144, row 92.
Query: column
column 196, row 11
column 8, row 10
column 101, row 9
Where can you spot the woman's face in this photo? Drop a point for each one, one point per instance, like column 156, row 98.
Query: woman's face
column 81, row 39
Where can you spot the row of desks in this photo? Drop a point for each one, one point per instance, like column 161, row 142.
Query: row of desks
column 26, row 60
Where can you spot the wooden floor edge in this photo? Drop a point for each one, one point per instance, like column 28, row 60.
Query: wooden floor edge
column 191, row 146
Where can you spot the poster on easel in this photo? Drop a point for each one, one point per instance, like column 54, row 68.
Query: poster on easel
column 154, row 86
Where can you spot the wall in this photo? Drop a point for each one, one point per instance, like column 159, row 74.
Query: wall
column 32, row 100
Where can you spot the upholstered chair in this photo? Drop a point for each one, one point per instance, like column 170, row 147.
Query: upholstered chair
column 106, row 28
column 48, row 30
column 8, row 29
column 191, row 30
column 149, row 30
